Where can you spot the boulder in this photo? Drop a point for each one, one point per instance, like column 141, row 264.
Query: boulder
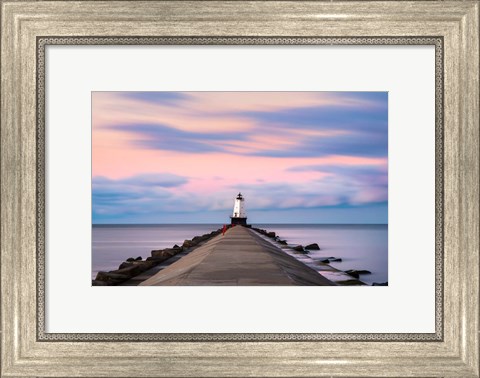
column 364, row 272
column 352, row 273
column 172, row 251
column 284, row 242
column 356, row 273
column 138, row 258
column 123, row 274
column 335, row 260
column 140, row 263
column 176, row 247
column 157, row 253
column 139, row 267
column 298, row 248
column 313, row 246
column 99, row 283
column 167, row 252
column 271, row 234
column 350, row 283
column 130, row 271
column 112, row 277
column 198, row 239
column 326, row 261
column 187, row 244
column 157, row 259
column 130, row 259
column 145, row 265
column 125, row 265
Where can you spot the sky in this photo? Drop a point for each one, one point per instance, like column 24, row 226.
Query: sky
column 182, row 157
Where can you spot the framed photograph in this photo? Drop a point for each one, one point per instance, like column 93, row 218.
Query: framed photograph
column 309, row 164
column 240, row 189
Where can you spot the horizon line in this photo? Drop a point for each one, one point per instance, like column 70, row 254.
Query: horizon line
column 253, row 224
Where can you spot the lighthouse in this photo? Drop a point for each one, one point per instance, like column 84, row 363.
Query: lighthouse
column 239, row 216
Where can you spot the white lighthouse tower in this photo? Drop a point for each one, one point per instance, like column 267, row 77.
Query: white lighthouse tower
column 239, row 216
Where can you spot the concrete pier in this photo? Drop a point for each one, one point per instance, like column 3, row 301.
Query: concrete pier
column 240, row 257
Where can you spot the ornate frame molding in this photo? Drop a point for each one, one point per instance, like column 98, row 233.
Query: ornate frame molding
column 28, row 26
column 43, row 42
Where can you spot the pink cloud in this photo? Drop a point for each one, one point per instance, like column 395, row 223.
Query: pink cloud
column 214, row 175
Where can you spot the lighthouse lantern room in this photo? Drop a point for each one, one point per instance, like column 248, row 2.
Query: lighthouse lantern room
column 239, row 216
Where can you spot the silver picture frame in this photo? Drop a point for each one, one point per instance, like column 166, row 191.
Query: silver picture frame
column 28, row 27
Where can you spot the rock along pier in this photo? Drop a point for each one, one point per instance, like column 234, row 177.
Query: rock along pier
column 239, row 257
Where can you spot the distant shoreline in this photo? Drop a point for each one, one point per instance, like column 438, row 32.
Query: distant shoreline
column 216, row 224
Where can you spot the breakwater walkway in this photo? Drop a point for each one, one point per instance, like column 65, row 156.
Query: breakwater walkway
column 241, row 257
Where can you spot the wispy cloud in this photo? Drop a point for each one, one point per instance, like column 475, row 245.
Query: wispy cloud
column 152, row 180
column 163, row 137
column 373, row 174
column 160, row 98
column 138, row 192
column 286, row 132
column 186, row 152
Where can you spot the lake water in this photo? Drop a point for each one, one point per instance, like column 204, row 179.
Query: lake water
column 362, row 247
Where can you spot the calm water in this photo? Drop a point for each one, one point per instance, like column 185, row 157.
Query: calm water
column 359, row 246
